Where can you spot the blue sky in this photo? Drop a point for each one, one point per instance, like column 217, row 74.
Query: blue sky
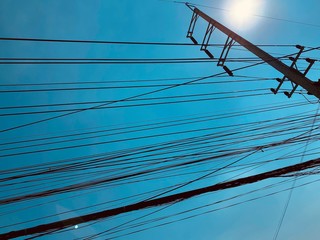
column 120, row 128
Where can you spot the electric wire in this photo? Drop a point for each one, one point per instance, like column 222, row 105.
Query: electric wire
column 121, row 100
column 123, row 42
column 135, row 174
column 255, row 15
column 275, row 237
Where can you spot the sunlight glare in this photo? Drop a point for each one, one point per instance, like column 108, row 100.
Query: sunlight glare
column 242, row 13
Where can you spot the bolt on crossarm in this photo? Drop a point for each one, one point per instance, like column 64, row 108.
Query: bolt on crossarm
column 295, row 76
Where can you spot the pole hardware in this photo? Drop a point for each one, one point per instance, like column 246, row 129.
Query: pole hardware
column 206, row 40
column 290, row 73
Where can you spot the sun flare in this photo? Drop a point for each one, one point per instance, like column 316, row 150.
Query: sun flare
column 242, row 13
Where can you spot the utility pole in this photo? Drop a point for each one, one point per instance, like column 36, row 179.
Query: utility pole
column 291, row 73
column 55, row 226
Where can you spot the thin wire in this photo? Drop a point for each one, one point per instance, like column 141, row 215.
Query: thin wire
column 124, row 87
column 228, row 95
column 255, row 15
column 126, row 42
column 247, row 78
column 267, row 108
column 91, row 183
column 138, row 128
column 106, row 62
column 275, row 237
column 171, row 190
column 124, row 99
column 209, row 211
column 118, row 59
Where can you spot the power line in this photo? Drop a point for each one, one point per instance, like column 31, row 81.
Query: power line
column 54, row 226
column 104, row 62
column 125, row 86
column 120, row 59
column 203, row 213
column 143, row 172
column 208, row 97
column 121, row 81
column 69, row 170
column 255, row 15
column 126, row 42
column 216, row 116
column 275, row 237
column 206, row 60
column 124, row 99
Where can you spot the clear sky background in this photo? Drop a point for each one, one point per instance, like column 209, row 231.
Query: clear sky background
column 229, row 123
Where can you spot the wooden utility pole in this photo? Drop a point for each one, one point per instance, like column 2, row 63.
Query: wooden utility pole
column 296, row 77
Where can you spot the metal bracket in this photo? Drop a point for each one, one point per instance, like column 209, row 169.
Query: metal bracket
column 294, row 85
column 192, row 25
column 227, row 46
column 206, row 39
column 293, row 66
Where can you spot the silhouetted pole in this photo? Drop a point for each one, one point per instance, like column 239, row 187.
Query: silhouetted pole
column 292, row 74
column 159, row 201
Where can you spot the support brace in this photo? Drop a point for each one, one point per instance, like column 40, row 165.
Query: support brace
column 192, row 25
column 294, row 85
column 206, row 39
column 224, row 54
column 293, row 64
